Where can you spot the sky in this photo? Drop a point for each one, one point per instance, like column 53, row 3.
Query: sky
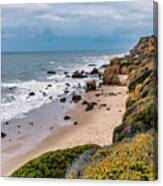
column 109, row 26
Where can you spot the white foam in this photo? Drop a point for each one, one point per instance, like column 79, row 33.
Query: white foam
column 23, row 103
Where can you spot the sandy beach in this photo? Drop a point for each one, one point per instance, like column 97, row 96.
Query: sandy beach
column 88, row 127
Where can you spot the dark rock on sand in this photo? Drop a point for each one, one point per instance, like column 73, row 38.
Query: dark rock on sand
column 90, row 106
column 75, row 123
column 51, row 72
column 97, row 95
column 76, row 98
column 3, row 135
column 103, row 105
column 67, row 118
column 85, row 103
column 112, row 94
column 91, row 86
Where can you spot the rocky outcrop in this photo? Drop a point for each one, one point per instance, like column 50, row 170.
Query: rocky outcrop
column 91, row 85
column 141, row 105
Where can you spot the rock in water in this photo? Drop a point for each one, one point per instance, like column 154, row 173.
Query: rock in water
column 79, row 74
column 51, row 72
column 94, row 71
column 31, row 94
column 63, row 100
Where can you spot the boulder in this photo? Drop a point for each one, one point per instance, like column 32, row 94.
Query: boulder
column 91, row 86
column 94, row 71
column 63, row 100
column 79, row 74
column 110, row 78
column 67, row 118
column 90, row 106
column 3, row 135
column 31, row 94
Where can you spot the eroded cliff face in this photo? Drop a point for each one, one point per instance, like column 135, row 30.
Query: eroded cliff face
column 141, row 105
column 133, row 154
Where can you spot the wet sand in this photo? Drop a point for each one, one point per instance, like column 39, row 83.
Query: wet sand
column 93, row 127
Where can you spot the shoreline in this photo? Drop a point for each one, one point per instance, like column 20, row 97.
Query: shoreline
column 89, row 129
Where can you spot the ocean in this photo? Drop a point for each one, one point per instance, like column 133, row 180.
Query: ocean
column 23, row 73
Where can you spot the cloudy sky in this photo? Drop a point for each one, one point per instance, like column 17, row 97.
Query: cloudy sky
column 111, row 26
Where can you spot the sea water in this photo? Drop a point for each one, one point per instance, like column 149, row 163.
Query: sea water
column 23, row 73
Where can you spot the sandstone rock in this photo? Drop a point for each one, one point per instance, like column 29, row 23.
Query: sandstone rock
column 110, row 78
column 91, row 86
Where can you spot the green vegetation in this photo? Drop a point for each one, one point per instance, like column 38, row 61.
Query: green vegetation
column 126, row 161
column 51, row 164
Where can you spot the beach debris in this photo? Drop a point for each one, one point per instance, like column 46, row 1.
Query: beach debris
column 67, row 118
column 91, row 85
column 76, row 98
column 75, row 123
column 51, row 72
column 63, row 100
column 79, row 74
column 3, row 135
column 18, row 126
